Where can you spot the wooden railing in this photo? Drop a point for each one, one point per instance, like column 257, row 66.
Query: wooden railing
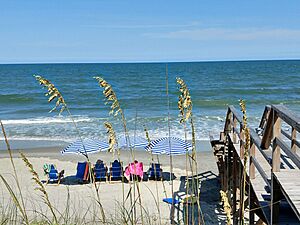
column 273, row 135
column 271, row 125
column 272, row 146
column 234, row 125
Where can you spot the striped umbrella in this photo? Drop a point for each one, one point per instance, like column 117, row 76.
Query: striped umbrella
column 87, row 146
column 135, row 142
column 169, row 146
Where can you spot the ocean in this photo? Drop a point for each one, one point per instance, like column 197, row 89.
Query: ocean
column 141, row 90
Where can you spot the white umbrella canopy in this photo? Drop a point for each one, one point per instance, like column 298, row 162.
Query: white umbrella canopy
column 169, row 146
column 85, row 147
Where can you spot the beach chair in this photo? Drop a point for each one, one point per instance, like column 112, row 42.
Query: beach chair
column 100, row 171
column 83, row 172
column 155, row 171
column 116, row 171
column 53, row 175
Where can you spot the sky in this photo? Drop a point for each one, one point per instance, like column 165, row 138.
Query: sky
column 148, row 31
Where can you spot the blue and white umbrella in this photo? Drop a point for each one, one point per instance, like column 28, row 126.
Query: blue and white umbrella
column 133, row 141
column 87, row 146
column 169, row 146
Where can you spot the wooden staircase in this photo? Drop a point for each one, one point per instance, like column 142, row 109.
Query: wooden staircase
column 273, row 168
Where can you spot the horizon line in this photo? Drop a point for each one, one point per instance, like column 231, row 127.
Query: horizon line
column 150, row 61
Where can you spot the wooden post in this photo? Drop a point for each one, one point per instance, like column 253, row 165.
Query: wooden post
column 251, row 205
column 229, row 173
column 234, row 132
column 242, row 145
column 276, row 148
column 228, row 125
column 252, row 166
column 225, row 181
column 241, row 192
column 275, row 198
column 293, row 141
column 234, row 188
column 222, row 136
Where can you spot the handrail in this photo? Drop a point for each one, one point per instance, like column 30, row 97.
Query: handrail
column 294, row 157
column 290, row 137
column 261, row 171
column 287, row 116
column 234, row 124
column 264, row 117
column 257, row 141
column 236, row 114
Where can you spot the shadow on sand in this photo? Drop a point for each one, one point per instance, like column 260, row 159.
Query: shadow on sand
column 210, row 210
column 73, row 180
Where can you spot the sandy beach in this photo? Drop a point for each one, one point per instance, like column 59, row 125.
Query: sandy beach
column 81, row 197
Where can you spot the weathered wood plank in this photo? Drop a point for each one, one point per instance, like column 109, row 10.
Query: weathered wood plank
column 236, row 113
column 288, row 116
column 294, row 157
column 261, row 171
column 291, row 194
column 292, row 138
column 268, row 134
column 252, row 165
column 276, row 149
column 264, row 117
column 257, row 141
column 294, row 142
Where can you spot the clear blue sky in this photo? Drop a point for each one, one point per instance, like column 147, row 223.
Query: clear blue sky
column 164, row 30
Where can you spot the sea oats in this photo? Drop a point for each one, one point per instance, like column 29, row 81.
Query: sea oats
column 53, row 93
column 112, row 140
column 40, row 186
column 226, row 206
column 184, row 101
column 110, row 96
column 246, row 131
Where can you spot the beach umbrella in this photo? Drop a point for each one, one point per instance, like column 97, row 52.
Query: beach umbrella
column 135, row 142
column 169, row 146
column 85, row 147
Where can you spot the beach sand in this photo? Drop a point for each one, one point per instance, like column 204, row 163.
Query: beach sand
column 81, row 197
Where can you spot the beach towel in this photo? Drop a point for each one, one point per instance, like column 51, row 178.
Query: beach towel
column 47, row 168
column 135, row 168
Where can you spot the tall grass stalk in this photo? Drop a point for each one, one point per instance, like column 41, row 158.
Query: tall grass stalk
column 20, row 204
column 115, row 109
column 226, row 206
column 185, row 107
column 40, row 187
column 113, row 144
column 156, row 187
column 185, row 110
column 54, row 94
column 246, row 131
column 169, row 133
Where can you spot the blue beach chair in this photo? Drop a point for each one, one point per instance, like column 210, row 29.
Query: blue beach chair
column 100, row 171
column 155, row 171
column 82, row 172
column 53, row 175
column 116, row 171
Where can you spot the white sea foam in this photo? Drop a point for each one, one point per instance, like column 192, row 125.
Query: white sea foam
column 46, row 120
column 62, row 129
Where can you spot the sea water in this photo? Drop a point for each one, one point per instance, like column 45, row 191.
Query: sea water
column 141, row 91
